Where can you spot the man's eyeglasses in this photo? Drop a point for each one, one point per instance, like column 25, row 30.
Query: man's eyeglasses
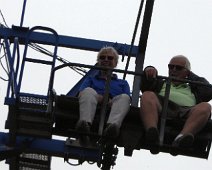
column 177, row 67
column 103, row 57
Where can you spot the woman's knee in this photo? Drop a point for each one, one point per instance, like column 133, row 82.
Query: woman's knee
column 87, row 91
column 124, row 97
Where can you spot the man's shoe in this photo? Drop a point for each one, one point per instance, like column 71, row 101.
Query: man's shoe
column 111, row 131
column 152, row 136
column 84, row 128
column 152, row 139
column 184, row 141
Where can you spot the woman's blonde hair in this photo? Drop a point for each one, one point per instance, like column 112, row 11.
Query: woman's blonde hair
column 109, row 49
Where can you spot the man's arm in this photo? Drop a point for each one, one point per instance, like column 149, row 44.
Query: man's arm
column 204, row 93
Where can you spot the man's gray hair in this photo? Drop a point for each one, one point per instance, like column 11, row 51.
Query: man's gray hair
column 187, row 62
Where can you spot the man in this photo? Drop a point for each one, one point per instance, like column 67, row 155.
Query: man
column 186, row 100
column 92, row 92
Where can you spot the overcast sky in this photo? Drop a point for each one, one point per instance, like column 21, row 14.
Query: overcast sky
column 178, row 27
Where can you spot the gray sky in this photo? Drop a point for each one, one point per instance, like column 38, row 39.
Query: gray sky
column 178, row 27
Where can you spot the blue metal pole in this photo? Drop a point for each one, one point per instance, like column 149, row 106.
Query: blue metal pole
column 23, row 12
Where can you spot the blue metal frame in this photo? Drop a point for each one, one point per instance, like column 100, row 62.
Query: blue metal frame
column 52, row 147
column 21, row 35
column 12, row 74
column 49, row 146
column 65, row 41
column 55, row 39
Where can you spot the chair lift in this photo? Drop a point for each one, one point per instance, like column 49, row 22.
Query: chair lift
column 67, row 113
column 36, row 115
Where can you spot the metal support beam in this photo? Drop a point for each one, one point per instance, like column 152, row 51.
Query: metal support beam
column 142, row 50
column 65, row 41
column 51, row 147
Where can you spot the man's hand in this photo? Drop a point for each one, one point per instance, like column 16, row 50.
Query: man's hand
column 150, row 72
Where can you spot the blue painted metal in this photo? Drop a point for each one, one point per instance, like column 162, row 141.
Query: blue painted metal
column 16, row 50
column 52, row 147
column 13, row 86
column 54, row 39
column 13, row 71
column 65, row 41
column 12, row 82
column 23, row 12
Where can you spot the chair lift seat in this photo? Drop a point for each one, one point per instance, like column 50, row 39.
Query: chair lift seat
column 67, row 114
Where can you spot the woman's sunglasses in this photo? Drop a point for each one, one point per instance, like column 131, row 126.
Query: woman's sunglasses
column 103, row 57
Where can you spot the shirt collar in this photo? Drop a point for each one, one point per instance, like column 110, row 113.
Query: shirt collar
column 182, row 85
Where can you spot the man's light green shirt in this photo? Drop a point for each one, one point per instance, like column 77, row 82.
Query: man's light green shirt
column 180, row 94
